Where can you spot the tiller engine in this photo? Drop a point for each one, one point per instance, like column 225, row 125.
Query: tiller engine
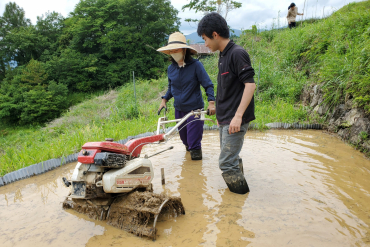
column 112, row 182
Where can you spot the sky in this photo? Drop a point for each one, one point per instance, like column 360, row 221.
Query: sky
column 264, row 14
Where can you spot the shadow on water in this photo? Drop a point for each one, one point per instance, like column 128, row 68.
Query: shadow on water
column 307, row 189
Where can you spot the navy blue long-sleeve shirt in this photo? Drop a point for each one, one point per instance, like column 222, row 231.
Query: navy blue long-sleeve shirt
column 184, row 85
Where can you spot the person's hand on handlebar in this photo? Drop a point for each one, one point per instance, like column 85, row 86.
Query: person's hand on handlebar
column 162, row 105
column 211, row 108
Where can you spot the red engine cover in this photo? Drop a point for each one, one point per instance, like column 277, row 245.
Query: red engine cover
column 107, row 146
column 89, row 157
column 132, row 147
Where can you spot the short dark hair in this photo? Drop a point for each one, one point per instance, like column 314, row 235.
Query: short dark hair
column 213, row 22
column 187, row 56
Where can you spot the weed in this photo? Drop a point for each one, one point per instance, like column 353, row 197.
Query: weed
column 363, row 135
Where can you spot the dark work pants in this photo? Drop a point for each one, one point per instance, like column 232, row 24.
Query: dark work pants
column 191, row 135
column 291, row 25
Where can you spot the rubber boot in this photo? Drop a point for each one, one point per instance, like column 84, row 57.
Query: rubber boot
column 236, row 182
column 196, row 154
column 187, row 148
column 241, row 165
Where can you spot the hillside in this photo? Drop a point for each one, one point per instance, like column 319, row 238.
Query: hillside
column 194, row 38
column 333, row 53
column 330, row 60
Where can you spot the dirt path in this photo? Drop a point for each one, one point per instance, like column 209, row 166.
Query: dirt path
column 307, row 189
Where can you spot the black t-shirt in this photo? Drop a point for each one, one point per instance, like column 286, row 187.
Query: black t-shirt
column 234, row 70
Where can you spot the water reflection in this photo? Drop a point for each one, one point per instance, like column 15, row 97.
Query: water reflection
column 31, row 214
column 6, row 199
column 18, row 196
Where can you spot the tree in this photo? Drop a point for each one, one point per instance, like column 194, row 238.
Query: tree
column 76, row 70
column 42, row 104
column 22, row 44
column 26, row 95
column 13, row 17
column 223, row 7
column 119, row 36
column 50, row 27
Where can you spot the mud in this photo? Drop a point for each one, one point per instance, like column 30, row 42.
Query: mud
column 137, row 212
column 87, row 207
column 307, row 189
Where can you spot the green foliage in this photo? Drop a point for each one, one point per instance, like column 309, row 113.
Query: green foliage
column 22, row 42
column 254, row 30
column 223, row 7
column 268, row 36
column 28, row 97
column 12, row 18
column 95, row 49
column 105, row 40
column 50, row 27
column 76, row 70
column 364, row 135
column 43, row 104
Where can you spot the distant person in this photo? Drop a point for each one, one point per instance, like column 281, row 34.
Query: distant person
column 292, row 14
column 185, row 76
column 235, row 100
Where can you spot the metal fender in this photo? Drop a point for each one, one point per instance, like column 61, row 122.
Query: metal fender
column 136, row 173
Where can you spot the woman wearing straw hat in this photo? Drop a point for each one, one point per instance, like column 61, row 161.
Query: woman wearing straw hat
column 185, row 76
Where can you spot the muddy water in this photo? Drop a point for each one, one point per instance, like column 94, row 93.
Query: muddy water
column 307, row 189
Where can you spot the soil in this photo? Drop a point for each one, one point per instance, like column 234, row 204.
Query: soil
column 136, row 212
column 308, row 188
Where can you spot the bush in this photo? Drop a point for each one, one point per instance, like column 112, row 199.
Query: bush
column 28, row 98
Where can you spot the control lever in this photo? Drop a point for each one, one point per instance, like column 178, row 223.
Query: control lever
column 160, row 152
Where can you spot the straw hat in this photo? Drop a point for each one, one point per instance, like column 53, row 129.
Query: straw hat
column 175, row 41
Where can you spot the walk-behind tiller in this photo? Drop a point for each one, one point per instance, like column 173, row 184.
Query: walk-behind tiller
column 112, row 182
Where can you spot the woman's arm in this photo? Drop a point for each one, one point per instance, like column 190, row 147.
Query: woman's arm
column 166, row 97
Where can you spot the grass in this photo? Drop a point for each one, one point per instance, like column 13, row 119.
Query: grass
column 113, row 115
column 102, row 116
column 334, row 52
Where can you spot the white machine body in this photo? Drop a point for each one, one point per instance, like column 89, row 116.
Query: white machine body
column 137, row 173
column 88, row 179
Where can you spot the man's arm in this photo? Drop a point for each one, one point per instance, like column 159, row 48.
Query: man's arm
column 244, row 103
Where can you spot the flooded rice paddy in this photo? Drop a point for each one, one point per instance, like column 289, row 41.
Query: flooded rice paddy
column 308, row 188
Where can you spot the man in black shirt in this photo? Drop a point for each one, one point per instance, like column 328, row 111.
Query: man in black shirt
column 234, row 100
